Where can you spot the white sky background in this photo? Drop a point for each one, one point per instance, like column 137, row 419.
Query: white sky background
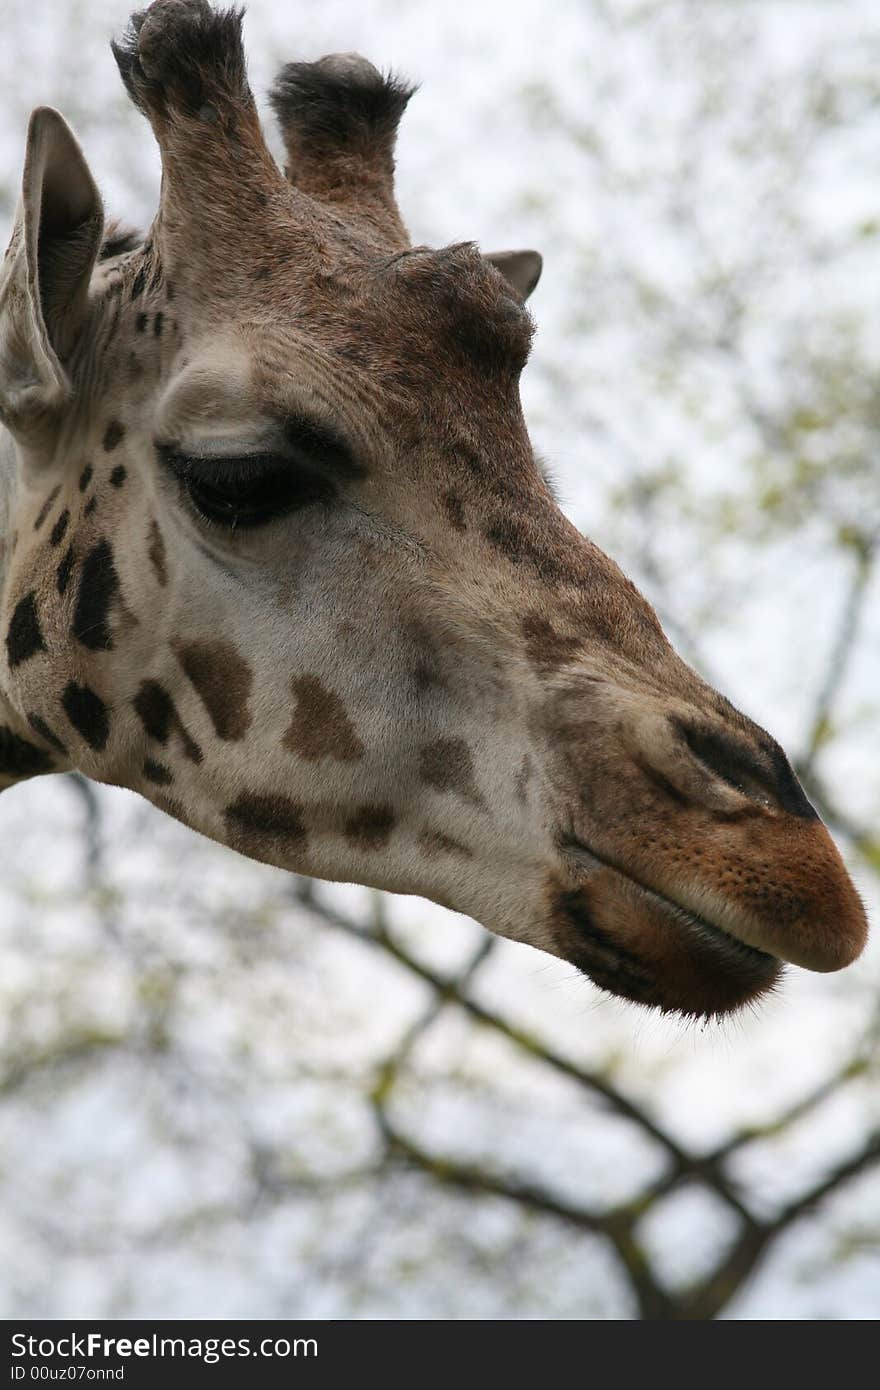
column 559, row 125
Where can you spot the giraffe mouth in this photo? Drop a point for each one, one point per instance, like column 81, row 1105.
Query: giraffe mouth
column 644, row 946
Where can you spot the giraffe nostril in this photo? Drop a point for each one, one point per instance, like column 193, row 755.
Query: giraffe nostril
column 758, row 770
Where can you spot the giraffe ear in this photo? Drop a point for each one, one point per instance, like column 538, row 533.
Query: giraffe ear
column 44, row 281
column 521, row 269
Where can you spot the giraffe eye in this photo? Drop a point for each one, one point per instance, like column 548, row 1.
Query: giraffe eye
column 250, row 491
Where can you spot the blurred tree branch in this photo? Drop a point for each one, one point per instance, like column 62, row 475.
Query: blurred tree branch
column 617, row 1225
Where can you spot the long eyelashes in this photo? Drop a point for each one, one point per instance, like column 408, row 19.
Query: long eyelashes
column 248, row 491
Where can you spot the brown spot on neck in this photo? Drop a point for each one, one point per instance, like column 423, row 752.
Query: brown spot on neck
column 264, row 825
column 454, row 509
column 19, row 758
column 46, row 507
column 434, row 843
column 157, row 773
column 59, row 530
column 65, row 570
column 320, row 727
column 426, row 669
column 447, row 765
column 113, row 436
column 158, row 714
column 223, row 682
column 370, row 827
column 24, row 637
column 156, row 552
column 425, row 677
column 546, row 648
column 88, row 714
column 96, row 595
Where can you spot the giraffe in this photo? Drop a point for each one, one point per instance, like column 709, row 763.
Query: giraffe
column 277, row 555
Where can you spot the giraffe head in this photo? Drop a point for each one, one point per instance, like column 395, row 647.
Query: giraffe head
column 278, row 556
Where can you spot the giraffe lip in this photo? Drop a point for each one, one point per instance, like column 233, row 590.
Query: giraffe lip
column 729, row 950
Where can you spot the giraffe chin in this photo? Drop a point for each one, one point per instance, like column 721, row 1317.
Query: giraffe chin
column 638, row 945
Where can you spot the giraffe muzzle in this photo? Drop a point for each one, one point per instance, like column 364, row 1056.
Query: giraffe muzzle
column 704, row 945
column 642, row 945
